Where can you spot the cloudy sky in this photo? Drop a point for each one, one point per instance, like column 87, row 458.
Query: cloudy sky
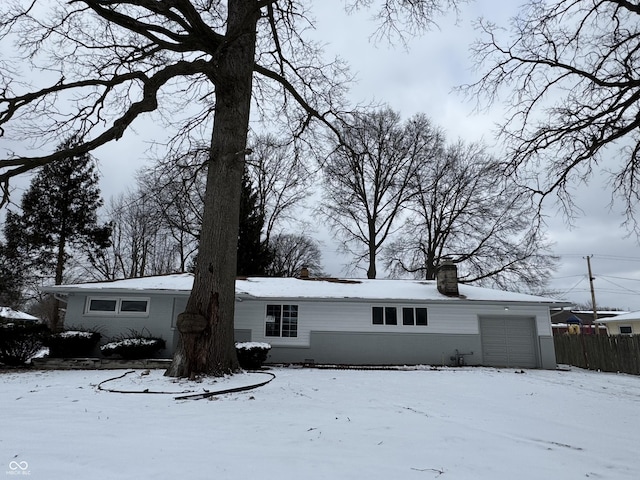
column 420, row 78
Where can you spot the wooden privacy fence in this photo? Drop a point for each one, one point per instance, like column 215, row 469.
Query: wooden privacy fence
column 616, row 353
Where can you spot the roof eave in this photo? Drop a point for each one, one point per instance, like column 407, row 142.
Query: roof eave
column 60, row 289
column 445, row 300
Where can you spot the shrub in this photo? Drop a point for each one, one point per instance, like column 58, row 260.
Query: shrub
column 21, row 340
column 72, row 343
column 133, row 346
column 252, row 355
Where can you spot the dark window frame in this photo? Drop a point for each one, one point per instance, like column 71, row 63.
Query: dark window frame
column 384, row 315
column 409, row 315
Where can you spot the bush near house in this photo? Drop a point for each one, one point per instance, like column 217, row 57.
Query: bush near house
column 252, row 355
column 21, row 340
column 72, row 343
column 134, row 346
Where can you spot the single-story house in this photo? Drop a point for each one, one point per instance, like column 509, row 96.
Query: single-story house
column 338, row 321
column 623, row 324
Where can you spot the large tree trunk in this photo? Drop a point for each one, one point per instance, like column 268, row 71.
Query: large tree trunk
column 207, row 339
column 371, row 271
column 431, row 268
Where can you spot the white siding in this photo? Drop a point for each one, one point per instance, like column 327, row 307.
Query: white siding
column 613, row 328
column 157, row 322
column 452, row 325
column 348, row 316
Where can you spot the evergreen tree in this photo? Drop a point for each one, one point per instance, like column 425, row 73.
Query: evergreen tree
column 12, row 274
column 254, row 256
column 59, row 214
column 10, row 283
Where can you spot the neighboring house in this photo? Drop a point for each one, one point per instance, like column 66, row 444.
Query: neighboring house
column 624, row 324
column 578, row 321
column 336, row 321
column 8, row 315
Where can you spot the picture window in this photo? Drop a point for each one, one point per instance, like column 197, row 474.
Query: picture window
column 282, row 321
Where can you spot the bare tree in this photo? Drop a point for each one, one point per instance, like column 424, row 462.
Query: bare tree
column 570, row 71
column 465, row 208
column 280, row 178
column 140, row 245
column 369, row 176
column 113, row 61
column 176, row 187
column 291, row 252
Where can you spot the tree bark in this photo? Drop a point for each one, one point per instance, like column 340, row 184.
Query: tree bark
column 371, row 271
column 206, row 327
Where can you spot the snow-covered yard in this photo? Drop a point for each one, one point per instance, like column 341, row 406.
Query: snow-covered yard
column 460, row 424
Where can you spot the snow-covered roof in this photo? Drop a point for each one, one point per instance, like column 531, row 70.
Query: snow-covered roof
column 6, row 312
column 625, row 317
column 608, row 313
column 179, row 282
column 353, row 289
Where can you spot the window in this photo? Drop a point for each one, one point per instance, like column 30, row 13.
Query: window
column 102, row 305
column 421, row 316
column 377, row 315
column 384, row 315
column 117, row 306
column 626, row 330
column 389, row 316
column 282, row 321
column 138, row 306
column 414, row 316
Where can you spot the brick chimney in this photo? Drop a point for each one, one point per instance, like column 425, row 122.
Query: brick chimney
column 447, row 277
column 304, row 272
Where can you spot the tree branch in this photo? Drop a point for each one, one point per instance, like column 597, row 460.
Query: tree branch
column 148, row 103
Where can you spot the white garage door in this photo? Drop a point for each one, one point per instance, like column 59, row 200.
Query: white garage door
column 508, row 342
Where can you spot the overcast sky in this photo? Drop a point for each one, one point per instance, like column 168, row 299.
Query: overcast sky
column 421, row 79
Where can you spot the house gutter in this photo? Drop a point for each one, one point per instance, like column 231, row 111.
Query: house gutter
column 60, row 297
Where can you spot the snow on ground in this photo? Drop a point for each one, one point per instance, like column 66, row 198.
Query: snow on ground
column 451, row 424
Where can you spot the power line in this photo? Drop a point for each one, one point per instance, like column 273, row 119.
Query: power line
column 604, row 290
column 620, row 278
column 620, row 286
column 579, row 282
column 602, row 256
column 618, row 257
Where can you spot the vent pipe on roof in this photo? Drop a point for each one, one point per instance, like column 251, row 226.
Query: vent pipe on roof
column 447, row 278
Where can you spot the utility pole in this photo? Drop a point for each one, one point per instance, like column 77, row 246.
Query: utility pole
column 593, row 296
